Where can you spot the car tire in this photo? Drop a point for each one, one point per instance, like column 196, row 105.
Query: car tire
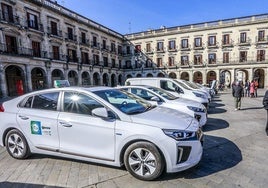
column 144, row 161
column 16, row 145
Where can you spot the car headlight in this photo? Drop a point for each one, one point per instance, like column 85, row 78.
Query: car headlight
column 199, row 95
column 196, row 109
column 179, row 134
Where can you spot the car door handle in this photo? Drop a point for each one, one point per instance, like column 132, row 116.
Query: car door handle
column 64, row 124
column 23, row 117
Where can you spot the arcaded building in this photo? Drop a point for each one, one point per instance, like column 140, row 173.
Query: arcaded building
column 42, row 41
column 223, row 50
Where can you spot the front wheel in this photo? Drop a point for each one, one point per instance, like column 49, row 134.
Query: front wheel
column 144, row 161
column 16, row 145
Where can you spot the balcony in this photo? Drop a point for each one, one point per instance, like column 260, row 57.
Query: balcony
column 212, row 45
column 84, row 41
column 53, row 32
column 95, row 45
column 57, row 56
column 226, row 44
column 70, row 37
column 244, row 41
column 10, row 19
column 261, row 40
column 33, row 26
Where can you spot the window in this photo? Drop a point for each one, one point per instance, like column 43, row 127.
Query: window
column 261, row 55
column 32, row 21
column 261, row 35
column 36, row 49
column 243, row 56
column 226, row 57
column 105, row 61
column 159, row 62
column 79, row 103
column 70, row 33
column 104, row 44
column 83, row 38
column 243, row 37
column 128, row 50
column 96, row 59
column 185, row 60
column 172, row 45
column 184, row 43
column 137, row 48
column 7, row 13
column 198, row 42
column 120, row 50
column 113, row 63
column 72, row 55
column 226, row 39
column 55, row 52
column 148, row 47
column 45, row 101
column 11, row 44
column 54, row 28
column 171, row 61
column 113, row 49
column 95, row 44
column 212, row 58
column 212, row 41
column 160, row 46
column 84, row 57
column 198, row 59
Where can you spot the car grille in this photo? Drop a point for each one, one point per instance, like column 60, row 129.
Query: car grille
column 183, row 153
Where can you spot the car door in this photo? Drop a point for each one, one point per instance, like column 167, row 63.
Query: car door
column 81, row 133
column 37, row 117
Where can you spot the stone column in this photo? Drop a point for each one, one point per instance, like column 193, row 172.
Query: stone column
column 28, row 77
column 3, row 85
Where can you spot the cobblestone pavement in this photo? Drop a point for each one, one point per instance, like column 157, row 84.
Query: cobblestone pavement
column 235, row 155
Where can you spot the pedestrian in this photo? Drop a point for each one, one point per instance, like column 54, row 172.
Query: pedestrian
column 237, row 92
column 247, row 88
column 265, row 105
column 256, row 88
column 252, row 88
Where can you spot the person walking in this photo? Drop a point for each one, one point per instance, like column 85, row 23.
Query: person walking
column 265, row 105
column 237, row 92
column 252, row 89
column 256, row 84
column 247, row 88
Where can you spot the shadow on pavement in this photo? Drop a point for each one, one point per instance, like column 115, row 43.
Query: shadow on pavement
column 215, row 124
column 24, row 185
column 252, row 108
column 219, row 154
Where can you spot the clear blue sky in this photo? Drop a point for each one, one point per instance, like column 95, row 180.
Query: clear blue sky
column 129, row 16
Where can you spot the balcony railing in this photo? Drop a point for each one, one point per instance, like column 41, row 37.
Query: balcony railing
column 70, row 37
column 57, row 56
column 83, row 41
column 53, row 32
column 38, row 27
column 9, row 18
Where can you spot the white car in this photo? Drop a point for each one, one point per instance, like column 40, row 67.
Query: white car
column 160, row 97
column 102, row 125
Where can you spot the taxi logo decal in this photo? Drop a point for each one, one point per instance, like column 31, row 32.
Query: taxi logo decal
column 36, row 127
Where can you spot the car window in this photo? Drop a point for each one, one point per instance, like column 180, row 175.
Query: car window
column 44, row 101
column 167, row 85
column 142, row 93
column 78, row 103
column 163, row 93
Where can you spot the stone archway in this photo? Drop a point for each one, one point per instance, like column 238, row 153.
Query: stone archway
column 85, row 79
column 150, row 75
column 225, row 78
column 260, row 77
column 57, row 75
column 96, row 79
column 138, row 75
column 241, row 75
column 160, row 74
column 105, row 79
column 15, row 81
column 120, row 80
column 172, row 75
column 38, row 79
column 73, row 78
column 198, row 77
column 185, row 76
column 211, row 75
column 113, row 80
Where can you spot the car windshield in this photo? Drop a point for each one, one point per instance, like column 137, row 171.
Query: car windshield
column 192, row 85
column 124, row 101
column 163, row 93
column 182, row 85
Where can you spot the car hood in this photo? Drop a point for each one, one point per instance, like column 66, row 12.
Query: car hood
column 166, row 118
column 188, row 102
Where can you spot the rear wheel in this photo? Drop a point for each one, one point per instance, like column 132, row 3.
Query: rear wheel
column 144, row 161
column 16, row 145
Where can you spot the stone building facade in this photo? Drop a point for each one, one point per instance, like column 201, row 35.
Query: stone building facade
column 42, row 41
column 224, row 50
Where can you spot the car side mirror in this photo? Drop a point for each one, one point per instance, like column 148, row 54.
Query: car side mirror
column 103, row 113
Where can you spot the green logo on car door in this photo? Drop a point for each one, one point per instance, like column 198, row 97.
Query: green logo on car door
column 36, row 127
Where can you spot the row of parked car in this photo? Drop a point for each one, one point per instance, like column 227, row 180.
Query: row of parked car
column 149, row 125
